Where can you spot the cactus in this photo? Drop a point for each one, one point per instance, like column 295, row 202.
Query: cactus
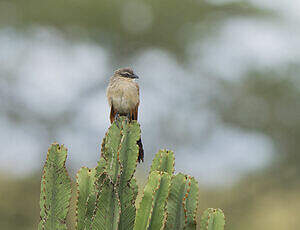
column 212, row 219
column 164, row 162
column 86, row 197
column 106, row 195
column 119, row 154
column 108, row 208
column 182, row 203
column 150, row 214
column 55, row 190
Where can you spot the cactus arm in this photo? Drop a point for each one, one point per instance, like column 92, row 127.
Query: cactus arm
column 128, row 209
column 110, row 152
column 144, row 212
column 86, row 197
column 212, row 219
column 100, row 176
column 175, row 214
column 182, row 203
column 55, row 190
column 120, row 151
column 129, row 149
column 160, row 199
column 191, row 203
column 119, row 159
column 128, row 160
column 107, row 212
column 163, row 161
column 152, row 206
column 205, row 218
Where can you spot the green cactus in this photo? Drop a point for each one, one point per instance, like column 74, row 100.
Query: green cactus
column 108, row 208
column 151, row 212
column 106, row 195
column 182, row 203
column 55, row 190
column 163, row 161
column 120, row 152
column 212, row 219
column 86, row 197
column 155, row 196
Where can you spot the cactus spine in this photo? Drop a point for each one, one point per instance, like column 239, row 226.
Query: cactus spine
column 106, row 195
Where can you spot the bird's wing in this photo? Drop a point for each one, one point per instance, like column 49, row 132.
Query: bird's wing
column 136, row 108
column 112, row 114
column 135, row 112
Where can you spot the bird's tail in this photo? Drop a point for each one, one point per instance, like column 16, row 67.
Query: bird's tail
column 141, row 151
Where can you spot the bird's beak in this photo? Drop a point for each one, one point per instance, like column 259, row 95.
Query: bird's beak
column 134, row 76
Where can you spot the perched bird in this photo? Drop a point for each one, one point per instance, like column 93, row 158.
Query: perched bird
column 124, row 98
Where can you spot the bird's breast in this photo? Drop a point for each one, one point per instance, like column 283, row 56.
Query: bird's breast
column 123, row 96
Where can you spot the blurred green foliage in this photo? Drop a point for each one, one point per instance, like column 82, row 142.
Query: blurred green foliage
column 19, row 202
column 171, row 25
column 268, row 102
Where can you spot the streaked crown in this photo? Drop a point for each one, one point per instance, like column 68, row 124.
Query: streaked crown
column 125, row 72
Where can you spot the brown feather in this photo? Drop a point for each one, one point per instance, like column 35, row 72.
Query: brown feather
column 134, row 114
column 112, row 114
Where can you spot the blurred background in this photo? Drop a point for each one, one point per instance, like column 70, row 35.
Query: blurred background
column 219, row 84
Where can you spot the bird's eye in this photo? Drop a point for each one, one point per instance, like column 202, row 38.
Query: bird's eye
column 126, row 74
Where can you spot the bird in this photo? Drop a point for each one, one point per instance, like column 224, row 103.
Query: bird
column 124, row 99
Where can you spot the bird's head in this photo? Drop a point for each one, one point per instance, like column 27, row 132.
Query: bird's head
column 125, row 72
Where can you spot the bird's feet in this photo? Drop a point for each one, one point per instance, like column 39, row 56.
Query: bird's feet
column 128, row 116
column 117, row 120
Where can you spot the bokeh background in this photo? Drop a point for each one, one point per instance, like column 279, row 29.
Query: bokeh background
column 219, row 83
